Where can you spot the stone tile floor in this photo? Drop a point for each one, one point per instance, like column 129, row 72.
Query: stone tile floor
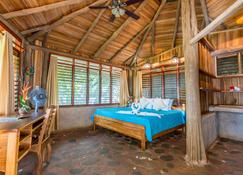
column 107, row 153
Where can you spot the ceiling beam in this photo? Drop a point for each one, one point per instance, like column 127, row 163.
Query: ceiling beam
column 64, row 19
column 129, row 42
column 217, row 21
column 205, row 11
column 43, row 8
column 178, row 12
column 118, row 31
column 162, row 4
column 53, row 51
column 36, row 29
column 12, row 28
column 89, row 30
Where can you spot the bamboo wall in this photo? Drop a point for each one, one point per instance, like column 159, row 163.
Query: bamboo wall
column 232, row 40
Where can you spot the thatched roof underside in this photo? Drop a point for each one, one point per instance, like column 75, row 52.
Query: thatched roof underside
column 65, row 37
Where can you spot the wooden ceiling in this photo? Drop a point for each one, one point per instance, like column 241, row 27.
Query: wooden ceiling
column 77, row 29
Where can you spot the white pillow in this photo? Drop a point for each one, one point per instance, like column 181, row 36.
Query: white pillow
column 144, row 102
column 150, row 103
column 160, row 104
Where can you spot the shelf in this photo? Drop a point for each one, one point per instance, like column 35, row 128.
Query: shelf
column 232, row 91
column 37, row 127
column 210, row 89
column 23, row 150
column 24, row 138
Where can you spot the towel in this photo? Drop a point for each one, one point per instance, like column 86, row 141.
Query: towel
column 141, row 113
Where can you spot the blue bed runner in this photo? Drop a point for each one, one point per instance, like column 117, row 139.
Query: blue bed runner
column 153, row 125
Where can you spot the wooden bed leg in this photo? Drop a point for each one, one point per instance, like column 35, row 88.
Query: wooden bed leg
column 143, row 145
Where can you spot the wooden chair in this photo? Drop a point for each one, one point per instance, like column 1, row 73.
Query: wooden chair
column 42, row 140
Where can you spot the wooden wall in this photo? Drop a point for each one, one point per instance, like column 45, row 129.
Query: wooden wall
column 227, row 43
column 207, row 80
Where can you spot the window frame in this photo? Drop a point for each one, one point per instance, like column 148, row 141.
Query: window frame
column 87, row 83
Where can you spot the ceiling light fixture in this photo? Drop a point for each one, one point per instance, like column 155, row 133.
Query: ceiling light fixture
column 175, row 59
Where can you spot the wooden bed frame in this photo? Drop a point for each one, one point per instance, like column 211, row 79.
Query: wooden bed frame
column 129, row 129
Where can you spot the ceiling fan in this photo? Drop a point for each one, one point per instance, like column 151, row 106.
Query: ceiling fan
column 117, row 9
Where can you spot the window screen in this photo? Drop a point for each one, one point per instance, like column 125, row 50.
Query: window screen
column 16, row 65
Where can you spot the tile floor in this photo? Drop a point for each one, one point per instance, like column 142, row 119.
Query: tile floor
column 107, row 153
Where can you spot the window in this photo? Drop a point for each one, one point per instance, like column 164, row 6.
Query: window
column 227, row 66
column 86, row 83
column 164, row 84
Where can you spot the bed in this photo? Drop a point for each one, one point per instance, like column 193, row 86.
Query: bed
column 144, row 128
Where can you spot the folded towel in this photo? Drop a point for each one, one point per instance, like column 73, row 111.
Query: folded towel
column 141, row 113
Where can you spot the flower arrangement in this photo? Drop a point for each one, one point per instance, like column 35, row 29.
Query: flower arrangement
column 24, row 106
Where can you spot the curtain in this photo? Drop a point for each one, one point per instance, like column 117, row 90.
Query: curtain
column 137, row 85
column 52, row 89
column 124, row 93
column 38, row 62
column 6, row 75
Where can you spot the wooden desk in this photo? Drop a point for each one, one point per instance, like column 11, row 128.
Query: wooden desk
column 16, row 139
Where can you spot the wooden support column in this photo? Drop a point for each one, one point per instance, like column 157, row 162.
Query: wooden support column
column 195, row 150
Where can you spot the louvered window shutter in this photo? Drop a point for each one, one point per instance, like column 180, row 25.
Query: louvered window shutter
column 94, row 83
column 227, row 66
column 105, row 84
column 170, row 86
column 16, row 65
column 116, row 75
column 157, row 86
column 64, row 74
column 146, row 86
column 182, row 87
column 80, row 82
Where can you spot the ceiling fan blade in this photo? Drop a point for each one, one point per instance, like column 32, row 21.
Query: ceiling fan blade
column 112, row 18
column 99, row 7
column 130, row 2
column 131, row 14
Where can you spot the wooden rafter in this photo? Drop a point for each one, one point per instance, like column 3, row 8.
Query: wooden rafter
column 130, row 41
column 178, row 12
column 36, row 29
column 162, row 4
column 43, row 8
column 12, row 28
column 89, row 30
column 153, row 40
column 64, row 19
column 117, row 32
column 215, row 23
column 45, row 39
column 205, row 11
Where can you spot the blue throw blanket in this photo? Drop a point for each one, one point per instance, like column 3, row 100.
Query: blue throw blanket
column 153, row 125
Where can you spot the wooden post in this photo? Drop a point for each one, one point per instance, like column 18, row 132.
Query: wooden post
column 195, row 150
